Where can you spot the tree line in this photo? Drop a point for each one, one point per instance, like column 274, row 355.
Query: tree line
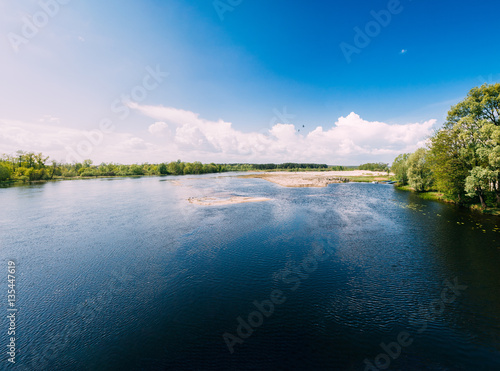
column 462, row 159
column 30, row 167
column 372, row 166
column 290, row 166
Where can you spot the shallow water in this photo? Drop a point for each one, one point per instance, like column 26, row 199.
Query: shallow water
column 126, row 274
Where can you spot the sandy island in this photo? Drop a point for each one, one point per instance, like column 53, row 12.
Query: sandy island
column 314, row 178
column 213, row 201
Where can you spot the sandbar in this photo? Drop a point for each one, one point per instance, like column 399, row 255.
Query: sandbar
column 313, row 178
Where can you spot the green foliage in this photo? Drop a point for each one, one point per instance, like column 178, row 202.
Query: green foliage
column 379, row 166
column 88, row 172
column 289, row 166
column 463, row 160
column 137, row 170
column 419, row 171
column 5, row 172
column 162, row 168
column 449, row 168
column 29, row 167
column 479, row 182
column 481, row 104
column 400, row 168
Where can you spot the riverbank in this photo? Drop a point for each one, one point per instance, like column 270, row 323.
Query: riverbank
column 286, row 178
column 319, row 179
column 441, row 197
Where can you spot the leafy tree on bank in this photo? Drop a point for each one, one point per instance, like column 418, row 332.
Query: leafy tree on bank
column 448, row 165
column 464, row 156
column 419, row 172
column 489, row 155
column 478, row 182
column 162, row 168
column 400, row 168
column 465, row 142
column 5, row 172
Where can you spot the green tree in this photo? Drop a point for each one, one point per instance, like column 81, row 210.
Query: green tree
column 53, row 169
column 380, row 166
column 478, row 182
column 5, row 173
column 87, row 163
column 174, row 168
column 464, row 143
column 481, row 104
column 188, row 169
column 40, row 160
column 137, row 170
column 419, row 171
column 162, row 168
column 197, row 168
column 400, row 168
column 449, row 167
column 490, row 155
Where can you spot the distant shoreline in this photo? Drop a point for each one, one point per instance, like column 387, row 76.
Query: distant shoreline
column 349, row 175
column 319, row 179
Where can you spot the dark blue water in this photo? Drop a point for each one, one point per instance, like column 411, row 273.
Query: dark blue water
column 126, row 274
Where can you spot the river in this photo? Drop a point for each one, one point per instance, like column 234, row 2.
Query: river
column 126, row 274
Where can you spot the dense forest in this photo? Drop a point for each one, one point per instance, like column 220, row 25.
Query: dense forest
column 30, row 167
column 462, row 160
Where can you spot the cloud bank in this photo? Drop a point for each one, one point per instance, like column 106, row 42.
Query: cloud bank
column 170, row 134
column 349, row 141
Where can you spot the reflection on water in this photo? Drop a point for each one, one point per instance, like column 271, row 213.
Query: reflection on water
column 126, row 274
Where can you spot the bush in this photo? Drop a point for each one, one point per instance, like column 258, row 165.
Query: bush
column 5, row 173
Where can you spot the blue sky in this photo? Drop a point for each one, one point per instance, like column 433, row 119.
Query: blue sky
column 232, row 70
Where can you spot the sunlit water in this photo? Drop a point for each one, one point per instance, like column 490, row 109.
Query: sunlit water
column 126, row 274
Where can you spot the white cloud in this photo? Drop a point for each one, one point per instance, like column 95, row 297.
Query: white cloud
column 68, row 144
column 135, row 143
column 50, row 118
column 158, row 127
column 184, row 134
column 350, row 140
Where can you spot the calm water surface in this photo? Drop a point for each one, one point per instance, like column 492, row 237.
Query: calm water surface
column 126, row 274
